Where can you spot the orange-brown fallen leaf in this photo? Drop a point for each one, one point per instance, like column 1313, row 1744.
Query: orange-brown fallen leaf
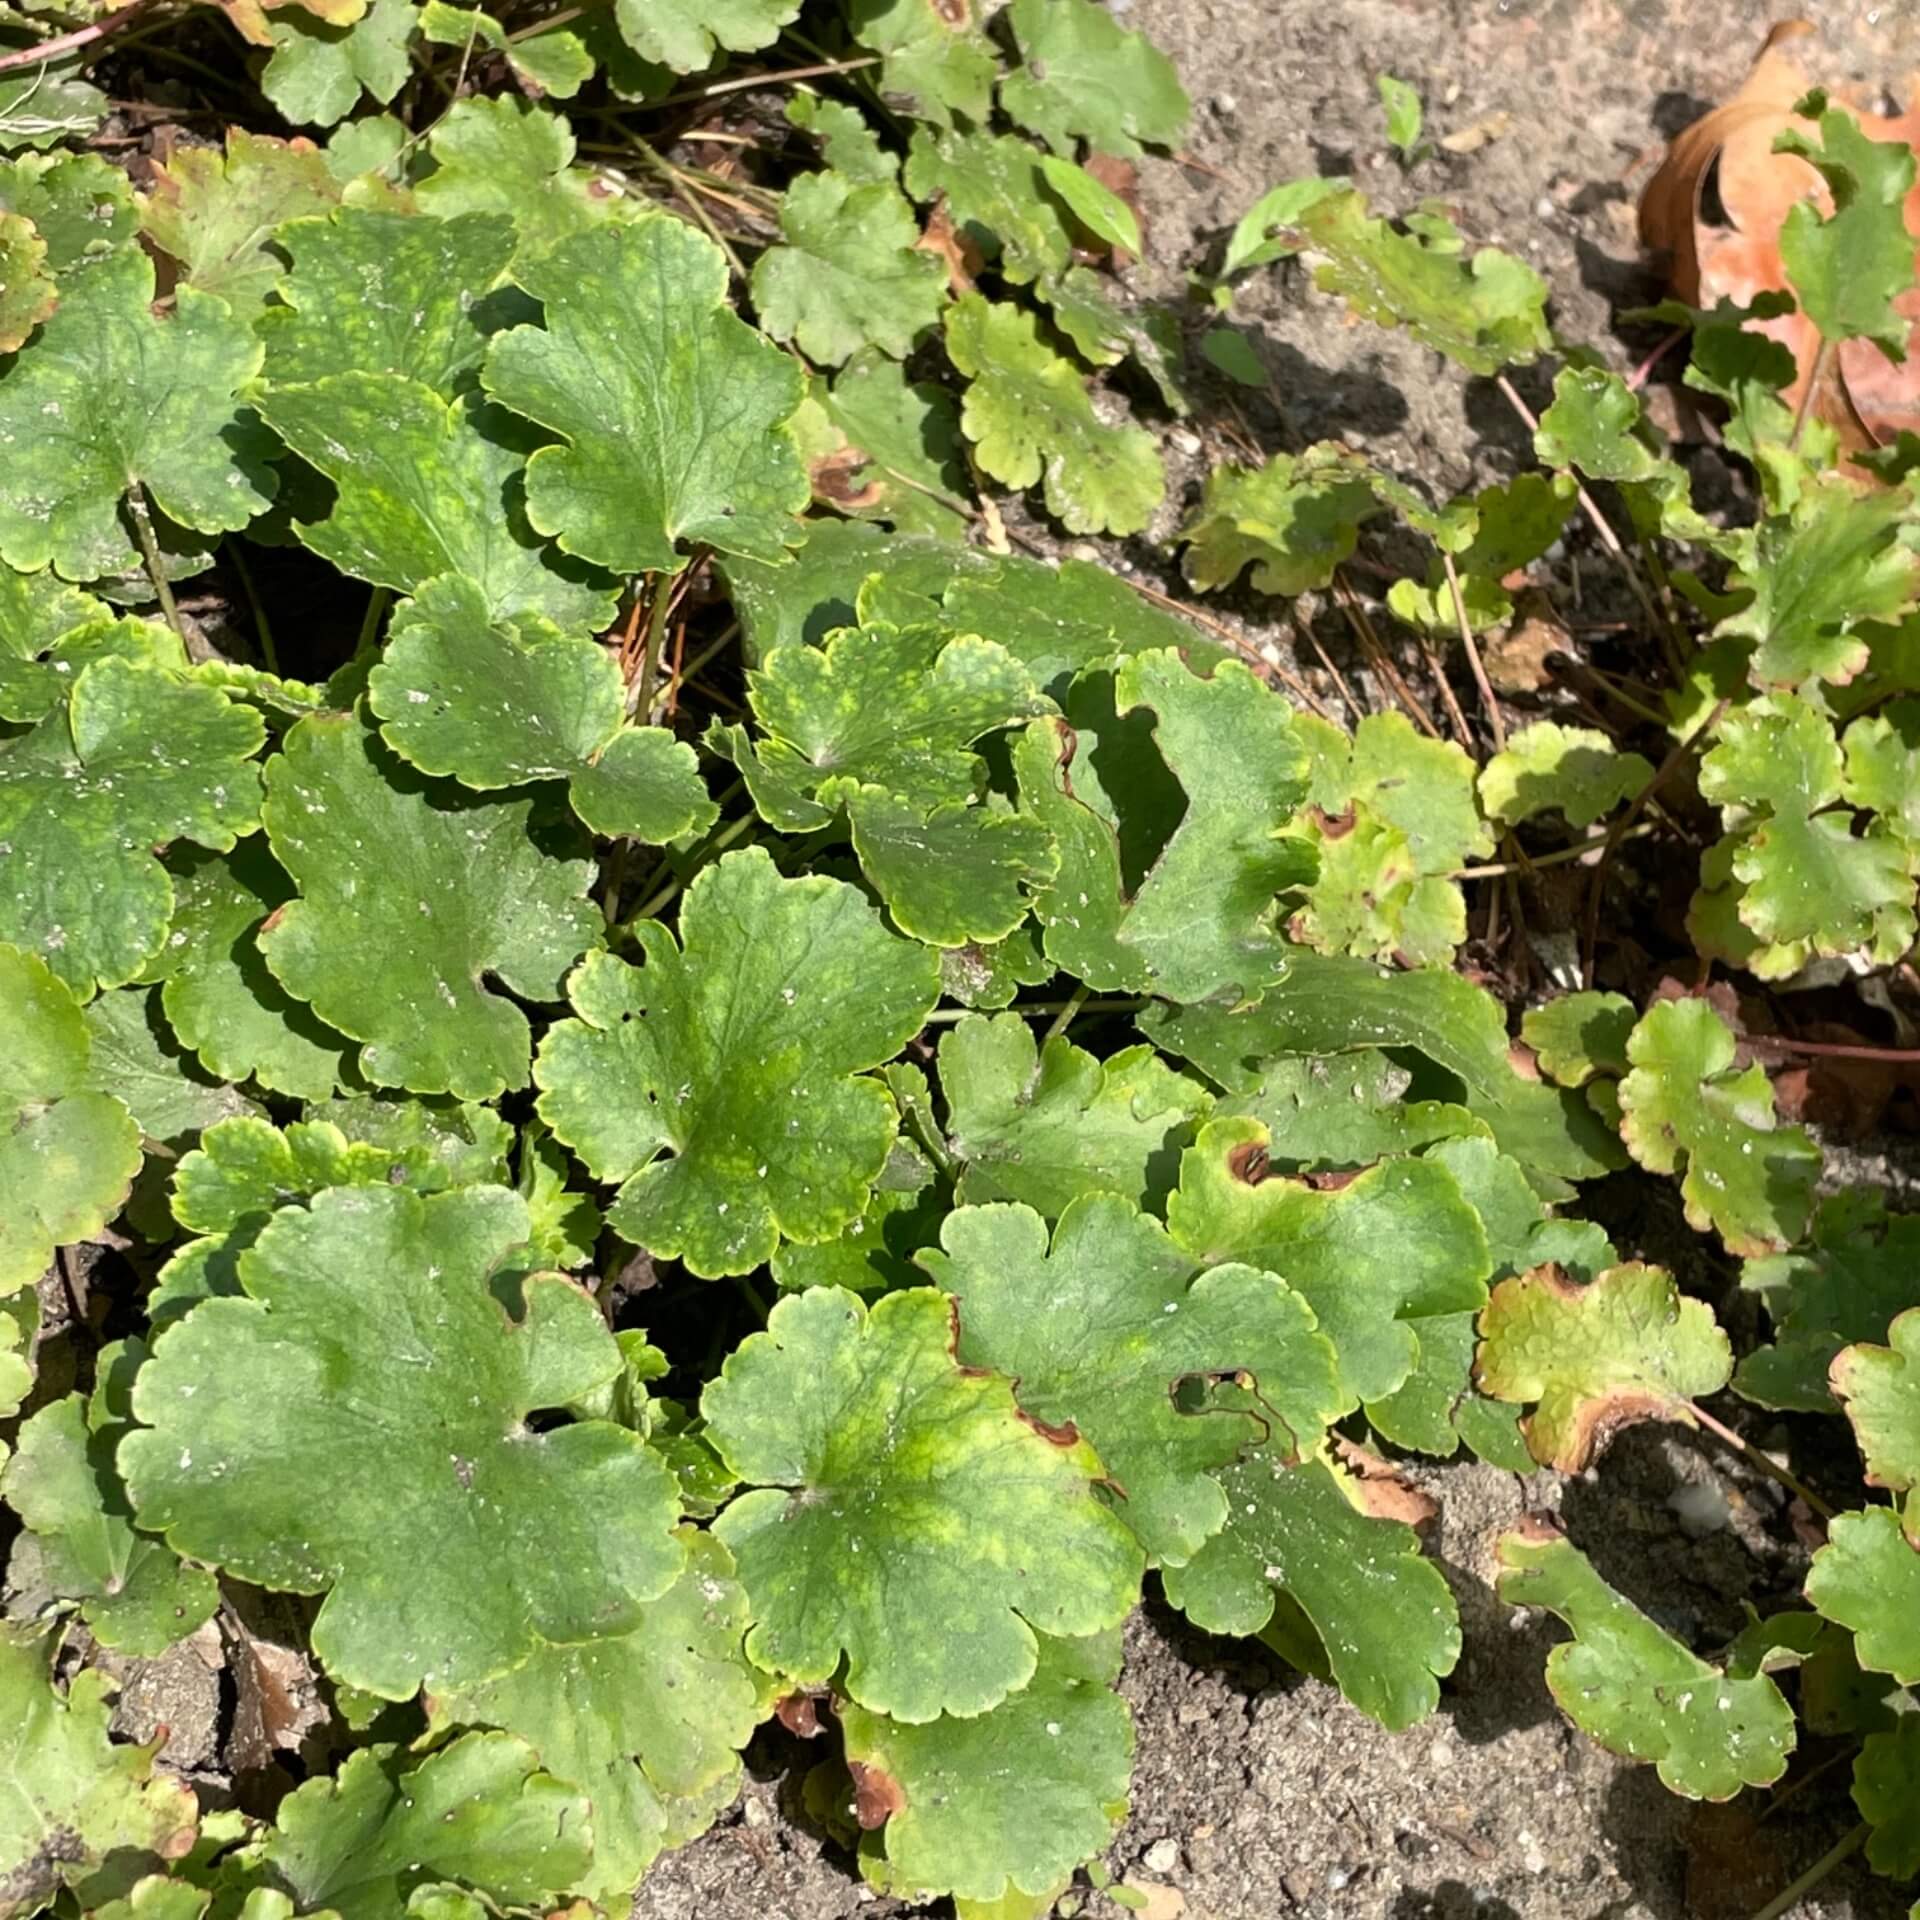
column 1715, row 208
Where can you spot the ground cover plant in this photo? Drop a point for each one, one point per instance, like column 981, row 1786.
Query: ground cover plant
column 656, row 1078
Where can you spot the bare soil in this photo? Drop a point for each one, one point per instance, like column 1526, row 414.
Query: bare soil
column 1259, row 1793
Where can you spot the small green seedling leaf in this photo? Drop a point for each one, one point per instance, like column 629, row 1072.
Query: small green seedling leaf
column 318, row 72
column 1084, row 76
column 1094, row 204
column 1686, row 1110
column 554, row 63
column 1401, row 105
column 1293, row 521
column 382, row 1840
column 1886, row 1789
column 1594, row 427
column 684, row 35
column 935, row 62
column 1880, row 1389
column 1485, row 313
column 1580, row 1035
column 728, row 1089
column 484, row 887
column 1867, row 1577
column 68, row 1152
column 507, row 1540
column 849, row 274
column 1007, row 1803
column 1622, row 1348
column 888, row 1482
column 670, row 409
column 1383, row 1615
column 1045, row 1125
column 509, row 156
column 1848, row 268
column 1635, row 1688
column 1269, row 230
column 1104, row 1329
column 497, row 704
column 1574, row 771
column 1029, row 417
column 649, row 1723
column 113, row 399
column 63, row 1775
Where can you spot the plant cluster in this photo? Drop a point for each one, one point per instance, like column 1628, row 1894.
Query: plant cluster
column 408, row 1009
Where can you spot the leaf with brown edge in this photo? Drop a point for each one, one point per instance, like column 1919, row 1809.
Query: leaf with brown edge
column 1880, row 1388
column 249, row 17
column 1624, row 1348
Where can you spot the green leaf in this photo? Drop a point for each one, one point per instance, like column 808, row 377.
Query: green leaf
column 216, row 991
column 69, row 1151
column 1594, row 426
column 672, row 410
column 1269, row 229
column 1867, row 1577
column 376, row 292
column 1496, row 532
column 1294, row 520
column 1382, row 1613
column 495, row 705
column 1093, row 203
column 935, row 62
column 1394, row 817
column 997, row 197
column 874, row 1253
column 914, row 476
column 317, row 71
column 113, row 398
column 80, row 206
column 1811, row 886
column 136, row 1057
column 1082, row 76
column 1326, row 1003
column 890, row 1483
column 846, row 137
column 133, row 1592
column 1203, row 916
column 509, row 156
column 1012, row 1800
column 1841, row 558
column 1103, row 1331
column 482, row 887
column 478, row 1813
column 70, row 1798
column 1029, row 417
column 1485, row 313
column 849, row 274
column 1886, row 1789
column 215, row 212
column 506, row 1539
column 1846, row 1286
column 1636, row 1689
column 1045, row 1126
column 1883, row 767
column 725, row 1086
column 554, row 63
column 426, row 487
column 1104, row 330
column 685, row 34
column 1623, row 1348
column 1345, row 1111
column 950, row 876
column 27, row 296
column 1576, row 771
column 896, row 708
column 1880, row 1389
column 1398, row 1242
column 1744, row 1176
column 1579, row 1035
column 50, row 633
column 1848, row 268
column 1401, row 104
column 132, row 760
column 647, row 1724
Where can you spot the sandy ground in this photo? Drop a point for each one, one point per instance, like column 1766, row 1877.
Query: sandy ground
column 1260, row 1794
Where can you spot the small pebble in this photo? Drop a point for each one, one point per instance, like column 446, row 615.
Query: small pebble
column 1702, row 1508
column 1162, row 1857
